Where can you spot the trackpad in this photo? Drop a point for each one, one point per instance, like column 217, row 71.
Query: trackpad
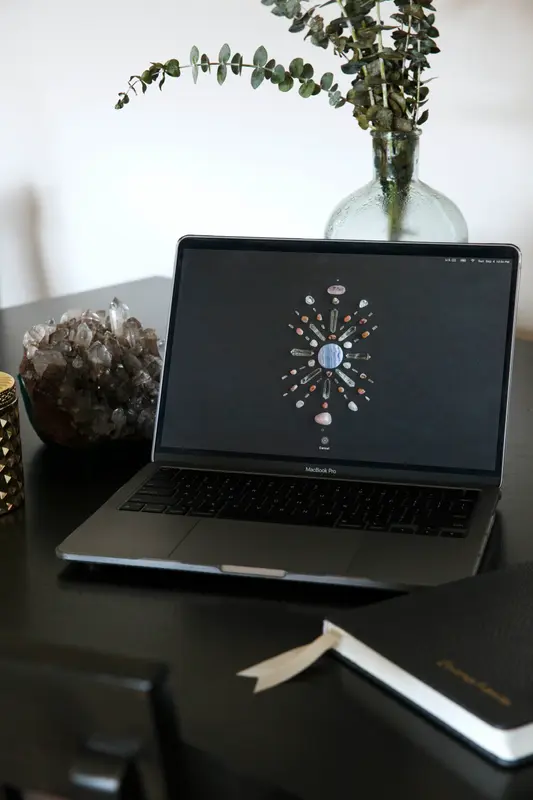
column 292, row 548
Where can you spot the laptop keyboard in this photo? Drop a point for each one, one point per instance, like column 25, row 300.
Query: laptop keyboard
column 305, row 501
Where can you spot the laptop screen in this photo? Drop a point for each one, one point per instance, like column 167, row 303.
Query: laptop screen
column 396, row 360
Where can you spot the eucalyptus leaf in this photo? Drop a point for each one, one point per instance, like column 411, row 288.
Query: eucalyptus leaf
column 414, row 10
column 225, row 54
column 195, row 55
column 399, row 100
column 351, row 67
column 307, row 88
column 222, row 73
column 236, row 64
column 307, row 72
column 286, row 84
column 194, row 72
column 297, row 26
column 205, row 65
column 269, row 66
column 278, row 74
column 423, row 117
column 260, row 57
column 296, row 67
column 402, row 125
column 384, row 119
column 172, row 68
column 258, row 76
column 326, row 82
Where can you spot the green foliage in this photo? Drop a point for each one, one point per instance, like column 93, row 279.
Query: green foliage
column 385, row 59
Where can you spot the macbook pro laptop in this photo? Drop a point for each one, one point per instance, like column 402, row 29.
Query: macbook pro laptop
column 330, row 412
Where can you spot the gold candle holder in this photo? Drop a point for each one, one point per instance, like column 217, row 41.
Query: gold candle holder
column 11, row 474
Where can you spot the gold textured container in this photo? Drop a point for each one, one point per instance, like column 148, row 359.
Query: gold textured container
column 11, row 474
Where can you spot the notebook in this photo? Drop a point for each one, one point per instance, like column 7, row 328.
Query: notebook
column 461, row 653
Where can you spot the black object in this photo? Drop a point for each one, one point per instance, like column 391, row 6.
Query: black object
column 75, row 723
column 469, row 647
column 420, row 510
column 207, row 627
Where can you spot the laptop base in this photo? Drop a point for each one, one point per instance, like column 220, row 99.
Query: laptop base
column 393, row 561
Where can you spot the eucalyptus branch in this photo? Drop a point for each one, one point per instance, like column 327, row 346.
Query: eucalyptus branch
column 407, row 42
column 299, row 74
column 381, row 62
column 357, row 49
column 387, row 89
column 418, row 84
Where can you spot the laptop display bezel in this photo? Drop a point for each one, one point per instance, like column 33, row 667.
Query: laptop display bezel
column 323, row 467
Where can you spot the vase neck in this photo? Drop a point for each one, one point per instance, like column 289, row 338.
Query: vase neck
column 395, row 156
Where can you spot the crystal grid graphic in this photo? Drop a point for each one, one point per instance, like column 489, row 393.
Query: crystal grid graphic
column 334, row 367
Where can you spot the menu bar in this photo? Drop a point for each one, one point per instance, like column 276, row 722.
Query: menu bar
column 479, row 260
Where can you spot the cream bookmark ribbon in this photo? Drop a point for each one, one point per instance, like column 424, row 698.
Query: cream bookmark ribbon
column 282, row 668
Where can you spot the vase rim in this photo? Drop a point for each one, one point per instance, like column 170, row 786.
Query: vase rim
column 414, row 134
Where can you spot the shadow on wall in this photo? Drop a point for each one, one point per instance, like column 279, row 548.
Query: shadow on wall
column 21, row 219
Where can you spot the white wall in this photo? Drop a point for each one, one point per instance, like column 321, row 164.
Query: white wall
column 91, row 196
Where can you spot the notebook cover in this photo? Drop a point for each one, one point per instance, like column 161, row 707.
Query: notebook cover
column 471, row 640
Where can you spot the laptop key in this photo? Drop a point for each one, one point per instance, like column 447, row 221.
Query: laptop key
column 131, row 506
column 156, row 491
column 154, row 508
column 177, row 510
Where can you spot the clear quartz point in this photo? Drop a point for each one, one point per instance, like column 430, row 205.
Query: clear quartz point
column 118, row 314
column 83, row 336
column 90, row 316
column 99, row 355
column 35, row 335
column 118, row 418
column 72, row 313
column 302, row 353
column 47, row 358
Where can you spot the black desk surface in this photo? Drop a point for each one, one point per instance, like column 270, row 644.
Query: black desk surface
column 314, row 737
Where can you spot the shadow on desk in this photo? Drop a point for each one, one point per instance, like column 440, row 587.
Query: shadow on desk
column 155, row 580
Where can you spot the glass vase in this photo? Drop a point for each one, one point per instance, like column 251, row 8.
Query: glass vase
column 396, row 205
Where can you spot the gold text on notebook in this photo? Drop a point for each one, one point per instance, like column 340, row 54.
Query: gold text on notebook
column 449, row 666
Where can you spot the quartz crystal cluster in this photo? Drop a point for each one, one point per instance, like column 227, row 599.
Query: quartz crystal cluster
column 92, row 376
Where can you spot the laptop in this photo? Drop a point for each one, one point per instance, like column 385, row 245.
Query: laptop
column 330, row 412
